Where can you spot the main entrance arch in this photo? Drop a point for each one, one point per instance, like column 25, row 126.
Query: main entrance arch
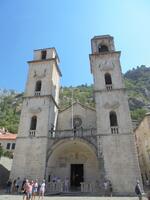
column 75, row 159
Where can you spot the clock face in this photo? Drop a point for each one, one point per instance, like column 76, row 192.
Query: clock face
column 77, row 122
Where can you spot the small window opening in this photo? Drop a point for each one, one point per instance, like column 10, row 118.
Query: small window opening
column 13, row 146
column 113, row 119
column 102, row 48
column 108, row 80
column 8, row 146
column 43, row 55
column 33, row 123
column 113, row 123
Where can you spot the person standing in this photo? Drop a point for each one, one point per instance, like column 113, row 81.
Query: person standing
column 138, row 190
column 66, row 184
column 23, row 189
column 34, row 189
column 18, row 182
column 105, row 187
column 110, row 188
column 8, row 186
column 42, row 190
column 28, row 189
column 14, row 186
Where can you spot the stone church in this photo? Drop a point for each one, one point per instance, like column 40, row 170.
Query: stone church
column 87, row 145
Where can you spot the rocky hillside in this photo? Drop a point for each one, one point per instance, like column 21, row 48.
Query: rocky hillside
column 137, row 82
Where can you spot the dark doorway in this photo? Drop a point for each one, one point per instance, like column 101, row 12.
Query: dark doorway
column 76, row 175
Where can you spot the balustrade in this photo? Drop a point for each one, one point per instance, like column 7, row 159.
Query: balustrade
column 55, row 187
column 75, row 133
column 37, row 93
column 114, row 130
column 109, row 87
column 88, row 187
column 32, row 133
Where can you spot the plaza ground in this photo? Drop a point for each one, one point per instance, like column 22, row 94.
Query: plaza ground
column 18, row 197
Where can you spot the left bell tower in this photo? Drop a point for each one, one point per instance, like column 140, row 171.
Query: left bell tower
column 38, row 115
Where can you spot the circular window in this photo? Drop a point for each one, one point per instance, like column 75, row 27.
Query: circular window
column 77, row 122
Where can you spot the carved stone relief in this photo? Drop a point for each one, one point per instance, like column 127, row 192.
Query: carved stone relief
column 114, row 105
column 106, row 66
column 39, row 76
column 35, row 110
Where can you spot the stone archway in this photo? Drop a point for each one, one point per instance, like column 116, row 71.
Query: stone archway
column 68, row 155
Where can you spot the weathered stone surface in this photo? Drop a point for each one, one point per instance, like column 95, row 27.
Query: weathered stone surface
column 57, row 144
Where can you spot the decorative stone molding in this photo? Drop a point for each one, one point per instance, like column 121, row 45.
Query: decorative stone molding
column 35, row 110
column 106, row 66
column 113, row 105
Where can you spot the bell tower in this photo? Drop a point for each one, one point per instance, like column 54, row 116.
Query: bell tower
column 38, row 115
column 114, row 127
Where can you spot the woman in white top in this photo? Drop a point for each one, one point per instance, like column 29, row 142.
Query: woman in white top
column 42, row 189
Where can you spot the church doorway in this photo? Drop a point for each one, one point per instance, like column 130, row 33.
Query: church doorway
column 77, row 175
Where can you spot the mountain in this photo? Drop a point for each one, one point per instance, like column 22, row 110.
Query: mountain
column 137, row 82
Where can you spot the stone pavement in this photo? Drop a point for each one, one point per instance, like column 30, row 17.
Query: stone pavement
column 19, row 197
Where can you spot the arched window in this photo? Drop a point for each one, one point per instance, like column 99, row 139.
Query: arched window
column 108, row 80
column 33, row 123
column 102, row 48
column 113, row 119
column 38, row 86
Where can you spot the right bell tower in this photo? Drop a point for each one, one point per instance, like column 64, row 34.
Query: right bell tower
column 115, row 139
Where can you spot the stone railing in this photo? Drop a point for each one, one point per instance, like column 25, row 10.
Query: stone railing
column 54, row 187
column 75, row 133
column 32, row 133
column 88, row 187
column 114, row 130
column 109, row 87
column 37, row 93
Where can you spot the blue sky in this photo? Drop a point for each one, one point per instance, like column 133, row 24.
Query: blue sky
column 68, row 25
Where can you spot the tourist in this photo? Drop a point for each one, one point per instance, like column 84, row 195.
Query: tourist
column 28, row 189
column 18, row 184
column 110, row 188
column 42, row 190
column 138, row 190
column 66, row 184
column 105, row 187
column 23, row 183
column 8, row 186
column 23, row 189
column 34, row 189
column 14, row 186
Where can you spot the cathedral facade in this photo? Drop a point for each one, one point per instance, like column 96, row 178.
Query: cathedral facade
column 87, row 145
